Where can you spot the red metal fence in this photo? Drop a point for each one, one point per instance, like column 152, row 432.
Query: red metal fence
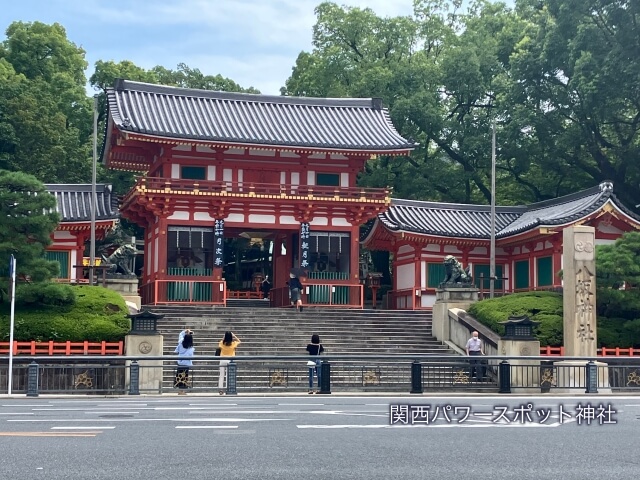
column 602, row 352
column 63, row 348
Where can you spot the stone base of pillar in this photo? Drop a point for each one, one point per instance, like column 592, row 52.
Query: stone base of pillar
column 524, row 373
column 570, row 376
column 151, row 371
column 447, row 298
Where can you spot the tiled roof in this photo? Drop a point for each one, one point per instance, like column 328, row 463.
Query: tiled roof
column 474, row 221
column 74, row 202
column 241, row 118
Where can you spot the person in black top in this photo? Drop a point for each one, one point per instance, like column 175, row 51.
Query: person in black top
column 295, row 289
column 314, row 348
column 266, row 287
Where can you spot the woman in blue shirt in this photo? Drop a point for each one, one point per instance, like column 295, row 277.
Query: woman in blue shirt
column 185, row 349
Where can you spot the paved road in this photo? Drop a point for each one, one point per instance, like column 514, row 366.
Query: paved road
column 327, row 438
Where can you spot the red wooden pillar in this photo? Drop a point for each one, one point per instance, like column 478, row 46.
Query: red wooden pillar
column 162, row 238
column 81, row 240
column 556, row 259
column 354, row 261
column 417, row 281
column 532, row 265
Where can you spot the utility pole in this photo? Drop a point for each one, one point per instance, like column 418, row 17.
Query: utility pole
column 94, row 196
column 492, row 258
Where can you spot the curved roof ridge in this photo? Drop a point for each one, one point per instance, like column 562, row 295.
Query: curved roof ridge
column 122, row 84
column 456, row 206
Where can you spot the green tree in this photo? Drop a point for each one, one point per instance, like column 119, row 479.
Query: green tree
column 27, row 221
column 578, row 80
column 45, row 113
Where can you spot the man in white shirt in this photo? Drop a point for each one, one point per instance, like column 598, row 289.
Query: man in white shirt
column 475, row 348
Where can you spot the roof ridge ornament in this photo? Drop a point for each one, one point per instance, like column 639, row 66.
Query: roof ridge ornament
column 606, row 186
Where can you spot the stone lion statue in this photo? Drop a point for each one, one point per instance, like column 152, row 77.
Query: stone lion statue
column 455, row 273
column 121, row 258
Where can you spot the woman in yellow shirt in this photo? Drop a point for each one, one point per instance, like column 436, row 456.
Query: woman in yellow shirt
column 227, row 347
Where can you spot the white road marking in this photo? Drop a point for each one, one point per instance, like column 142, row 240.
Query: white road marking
column 118, row 412
column 221, row 419
column 206, row 426
column 9, row 413
column 302, row 404
column 343, row 426
column 83, row 428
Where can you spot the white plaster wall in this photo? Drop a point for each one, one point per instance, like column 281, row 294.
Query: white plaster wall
column 227, row 175
column 344, row 179
column 155, row 256
column 204, row 149
column 340, row 222
column 179, row 216
column 203, row 216
column 149, row 254
column 603, row 241
column 288, row 220
column 320, row 221
column 235, row 217
column 175, row 170
column 255, row 218
column 405, row 249
column 451, row 249
column 311, row 177
column 427, row 300
column 63, row 235
column 211, row 172
column 406, row 276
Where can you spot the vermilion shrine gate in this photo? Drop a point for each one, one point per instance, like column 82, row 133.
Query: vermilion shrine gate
column 224, row 165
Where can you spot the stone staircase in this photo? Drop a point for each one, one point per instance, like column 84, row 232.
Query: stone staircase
column 267, row 331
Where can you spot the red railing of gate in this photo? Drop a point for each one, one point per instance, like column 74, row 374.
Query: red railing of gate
column 316, row 294
column 63, row 348
column 201, row 292
column 602, row 352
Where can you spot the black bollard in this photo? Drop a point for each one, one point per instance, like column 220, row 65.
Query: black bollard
column 33, row 373
column 416, row 377
column 232, row 372
column 134, row 378
column 325, row 378
column 504, row 374
column 591, row 374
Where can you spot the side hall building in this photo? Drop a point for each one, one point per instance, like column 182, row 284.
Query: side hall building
column 528, row 241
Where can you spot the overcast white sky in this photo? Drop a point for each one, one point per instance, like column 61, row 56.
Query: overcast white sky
column 253, row 42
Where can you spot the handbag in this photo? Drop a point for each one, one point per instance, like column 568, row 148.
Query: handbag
column 218, row 352
column 312, row 363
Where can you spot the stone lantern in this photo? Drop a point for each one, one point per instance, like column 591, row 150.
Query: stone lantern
column 144, row 323
column 373, row 282
column 519, row 328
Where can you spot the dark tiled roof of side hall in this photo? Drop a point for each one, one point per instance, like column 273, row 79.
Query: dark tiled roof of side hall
column 74, row 202
column 250, row 119
column 474, row 221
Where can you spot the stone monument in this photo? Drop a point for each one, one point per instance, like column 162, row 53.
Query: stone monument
column 579, row 307
column 456, row 291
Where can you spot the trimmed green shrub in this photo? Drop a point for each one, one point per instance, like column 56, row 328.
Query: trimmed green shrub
column 98, row 314
column 543, row 307
column 546, row 308
column 45, row 294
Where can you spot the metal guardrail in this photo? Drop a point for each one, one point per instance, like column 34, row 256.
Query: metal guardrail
column 117, row 375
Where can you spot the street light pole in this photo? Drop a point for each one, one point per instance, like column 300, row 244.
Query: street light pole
column 94, row 196
column 492, row 257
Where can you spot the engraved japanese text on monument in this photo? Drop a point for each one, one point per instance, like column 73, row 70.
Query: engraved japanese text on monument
column 585, row 308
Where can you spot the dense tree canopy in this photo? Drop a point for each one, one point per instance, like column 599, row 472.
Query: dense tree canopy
column 27, row 220
column 560, row 78
column 45, row 115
